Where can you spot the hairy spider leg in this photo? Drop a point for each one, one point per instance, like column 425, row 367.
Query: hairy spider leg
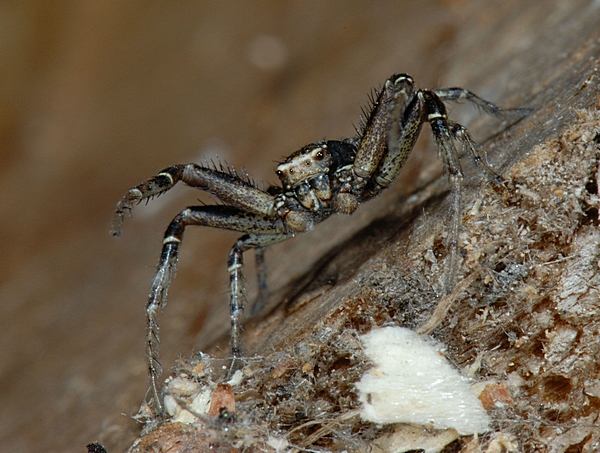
column 160, row 183
column 235, row 263
column 459, row 94
column 388, row 106
column 436, row 115
column 261, row 274
column 403, row 134
column 229, row 188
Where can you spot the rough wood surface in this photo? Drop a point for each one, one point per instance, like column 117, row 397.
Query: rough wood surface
column 93, row 105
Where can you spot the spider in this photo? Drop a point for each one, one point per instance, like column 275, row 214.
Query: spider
column 318, row 180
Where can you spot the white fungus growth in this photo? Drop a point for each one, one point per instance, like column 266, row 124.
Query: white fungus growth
column 199, row 405
column 412, row 382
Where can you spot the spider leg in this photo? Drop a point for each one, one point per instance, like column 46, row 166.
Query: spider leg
column 225, row 217
column 388, row 107
column 261, row 273
column 160, row 183
column 460, row 133
column 235, row 265
column 443, row 135
column 403, row 134
column 459, row 94
column 226, row 186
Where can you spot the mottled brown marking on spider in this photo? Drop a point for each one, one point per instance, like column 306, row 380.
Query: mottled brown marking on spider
column 318, row 180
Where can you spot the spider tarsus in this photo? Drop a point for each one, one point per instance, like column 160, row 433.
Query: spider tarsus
column 123, row 206
column 116, row 226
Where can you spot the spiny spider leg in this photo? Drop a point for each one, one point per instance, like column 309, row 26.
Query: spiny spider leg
column 403, row 133
column 248, row 211
column 229, row 188
column 160, row 183
column 386, row 115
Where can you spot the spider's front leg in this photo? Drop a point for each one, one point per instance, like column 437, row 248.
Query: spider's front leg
column 393, row 122
column 223, row 183
column 155, row 186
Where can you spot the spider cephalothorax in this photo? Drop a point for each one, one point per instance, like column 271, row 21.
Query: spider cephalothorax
column 318, row 180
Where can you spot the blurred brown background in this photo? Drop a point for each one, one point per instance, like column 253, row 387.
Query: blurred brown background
column 97, row 96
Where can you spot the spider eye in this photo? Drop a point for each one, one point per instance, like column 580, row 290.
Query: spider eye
column 319, row 155
column 279, row 173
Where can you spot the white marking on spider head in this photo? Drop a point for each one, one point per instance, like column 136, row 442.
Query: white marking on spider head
column 304, row 165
